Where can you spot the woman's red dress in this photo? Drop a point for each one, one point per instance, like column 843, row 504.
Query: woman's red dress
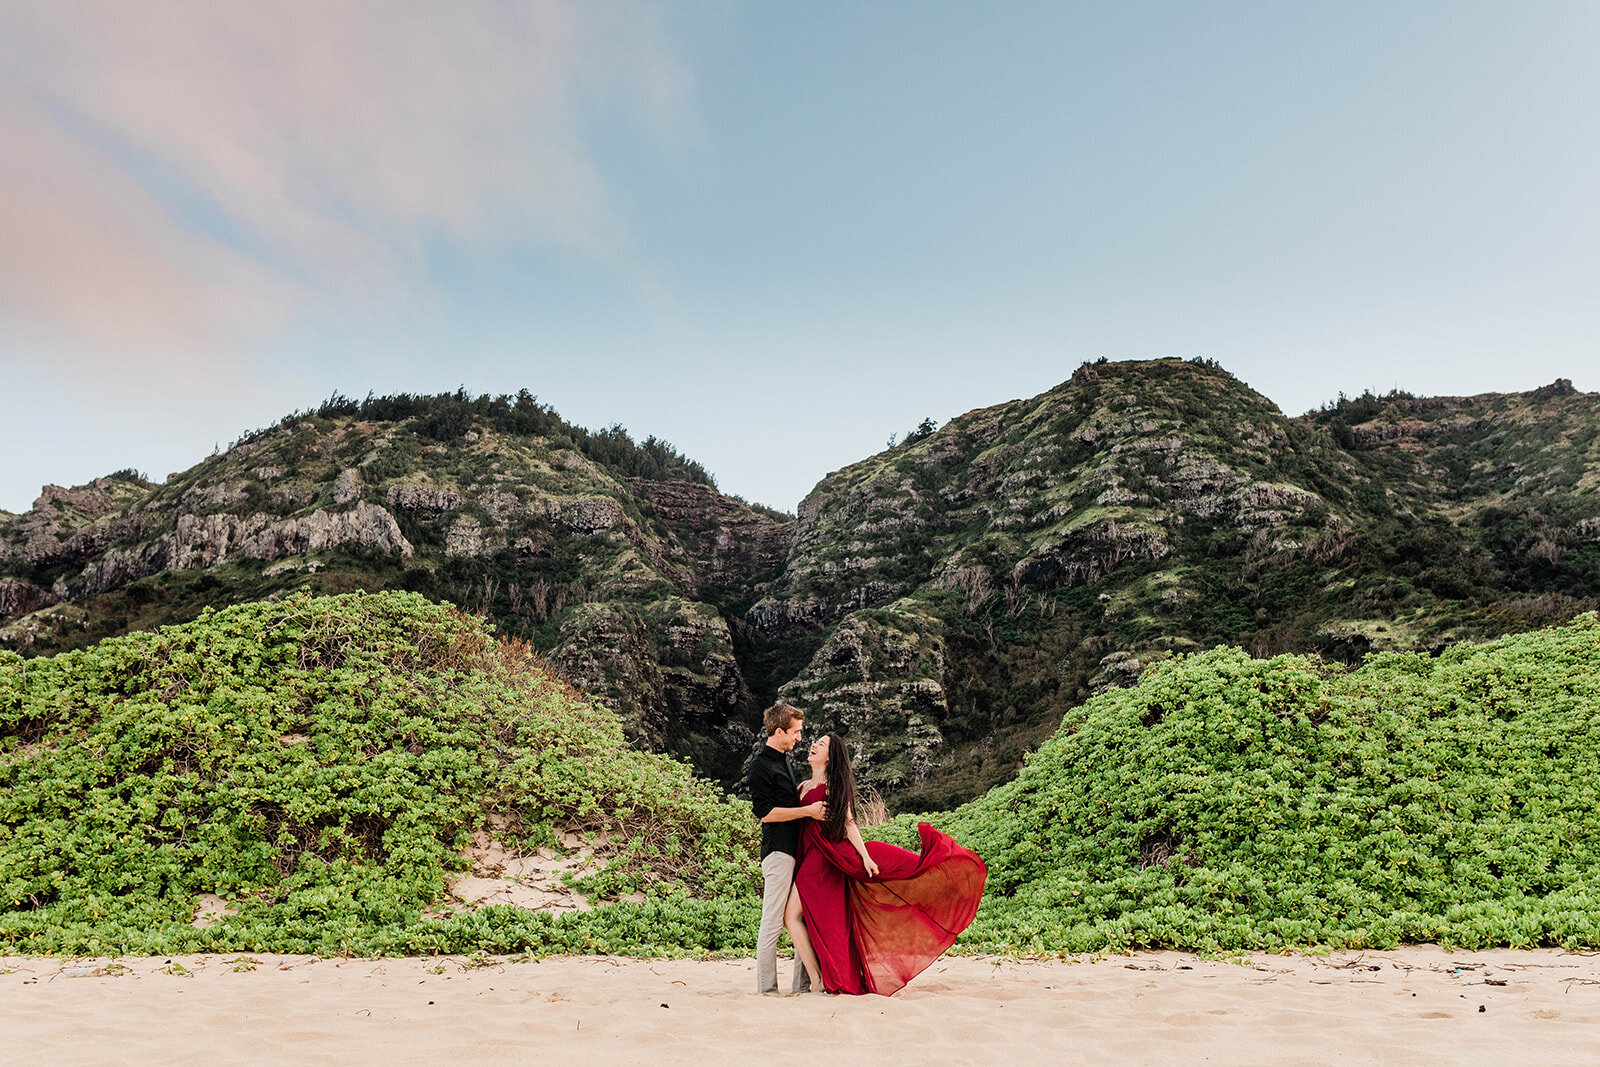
column 873, row 935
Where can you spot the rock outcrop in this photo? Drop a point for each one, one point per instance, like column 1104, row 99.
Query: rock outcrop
column 603, row 570
column 1061, row 544
column 878, row 681
column 940, row 604
column 198, row 542
column 18, row 597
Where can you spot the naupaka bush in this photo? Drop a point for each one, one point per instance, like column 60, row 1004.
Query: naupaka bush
column 1234, row 803
column 321, row 763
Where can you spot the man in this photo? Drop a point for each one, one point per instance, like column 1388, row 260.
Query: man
column 776, row 801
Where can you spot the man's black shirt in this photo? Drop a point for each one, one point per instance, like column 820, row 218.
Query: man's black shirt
column 772, row 786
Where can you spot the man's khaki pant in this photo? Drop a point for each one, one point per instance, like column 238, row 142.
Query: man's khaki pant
column 777, row 871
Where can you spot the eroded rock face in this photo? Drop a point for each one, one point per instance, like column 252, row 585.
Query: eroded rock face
column 202, row 541
column 88, row 501
column 119, row 566
column 18, row 597
column 1084, row 555
column 726, row 544
column 777, row 619
column 366, row 525
column 501, row 506
column 586, row 514
column 878, row 682
column 668, row 669
column 605, row 651
column 65, row 525
column 422, row 498
column 347, row 486
column 465, row 537
column 215, row 497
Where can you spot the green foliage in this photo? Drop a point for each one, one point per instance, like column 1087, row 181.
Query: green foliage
column 1146, row 508
column 322, row 763
column 1140, row 509
column 921, row 430
column 447, row 416
column 1229, row 803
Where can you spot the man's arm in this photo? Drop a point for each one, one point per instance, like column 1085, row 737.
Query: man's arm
column 818, row 810
column 772, row 793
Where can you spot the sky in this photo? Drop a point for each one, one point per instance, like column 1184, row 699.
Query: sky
column 772, row 234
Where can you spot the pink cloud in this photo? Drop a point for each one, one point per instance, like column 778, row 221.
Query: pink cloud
column 322, row 143
column 102, row 261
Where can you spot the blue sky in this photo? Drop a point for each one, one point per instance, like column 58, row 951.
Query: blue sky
column 772, row 234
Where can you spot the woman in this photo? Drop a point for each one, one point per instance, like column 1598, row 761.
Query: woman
column 867, row 917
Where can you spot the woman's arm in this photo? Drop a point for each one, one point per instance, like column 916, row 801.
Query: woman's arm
column 853, row 832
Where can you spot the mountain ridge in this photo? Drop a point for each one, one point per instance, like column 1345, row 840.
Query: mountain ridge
column 942, row 602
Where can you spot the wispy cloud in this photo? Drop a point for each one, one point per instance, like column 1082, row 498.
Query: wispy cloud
column 177, row 179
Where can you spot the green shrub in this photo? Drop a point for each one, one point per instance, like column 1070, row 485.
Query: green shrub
column 1229, row 803
column 322, row 762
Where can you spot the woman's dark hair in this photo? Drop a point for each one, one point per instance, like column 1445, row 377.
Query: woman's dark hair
column 841, row 794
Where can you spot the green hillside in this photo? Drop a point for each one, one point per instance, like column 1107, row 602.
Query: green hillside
column 943, row 603
column 320, row 764
column 948, row 600
column 617, row 560
column 1229, row 803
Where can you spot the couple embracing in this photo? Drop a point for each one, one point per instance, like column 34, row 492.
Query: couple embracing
column 864, row 916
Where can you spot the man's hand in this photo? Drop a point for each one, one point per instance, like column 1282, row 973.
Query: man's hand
column 818, row 811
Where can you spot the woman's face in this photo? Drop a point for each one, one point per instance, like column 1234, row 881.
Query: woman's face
column 819, row 750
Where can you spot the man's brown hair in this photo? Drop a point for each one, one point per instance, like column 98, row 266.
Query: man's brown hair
column 779, row 716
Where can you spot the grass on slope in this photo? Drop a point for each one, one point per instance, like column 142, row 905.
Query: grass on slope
column 322, row 762
column 1228, row 803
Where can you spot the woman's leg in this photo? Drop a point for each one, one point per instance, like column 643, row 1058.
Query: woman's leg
column 794, row 922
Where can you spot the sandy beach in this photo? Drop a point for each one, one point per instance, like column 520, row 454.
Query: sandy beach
column 1400, row 1006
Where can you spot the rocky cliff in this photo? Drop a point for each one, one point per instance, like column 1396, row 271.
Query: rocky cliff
column 942, row 603
column 947, row 600
column 623, row 581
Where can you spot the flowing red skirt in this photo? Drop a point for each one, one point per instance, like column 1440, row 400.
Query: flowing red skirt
column 873, row 935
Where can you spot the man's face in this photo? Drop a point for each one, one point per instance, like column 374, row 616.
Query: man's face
column 787, row 739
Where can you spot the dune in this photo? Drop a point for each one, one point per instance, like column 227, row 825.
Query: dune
column 1391, row 1006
